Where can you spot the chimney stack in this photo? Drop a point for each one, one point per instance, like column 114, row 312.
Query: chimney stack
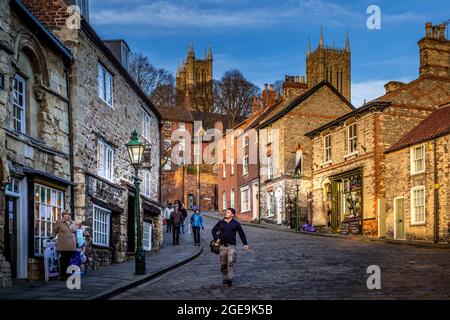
column 434, row 51
column 256, row 105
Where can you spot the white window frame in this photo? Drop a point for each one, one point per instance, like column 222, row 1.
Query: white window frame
column 105, row 163
column 413, row 160
column 17, row 107
column 245, row 166
column 245, row 199
column 101, row 228
column 224, row 200
column 270, row 167
column 352, row 140
column 224, row 169
column 49, row 213
column 414, row 221
column 232, row 166
column 147, row 230
column 232, row 197
column 146, row 182
column 327, row 149
column 105, row 85
column 246, row 141
column 146, row 127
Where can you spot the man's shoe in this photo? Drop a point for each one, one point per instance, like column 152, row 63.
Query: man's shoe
column 230, row 283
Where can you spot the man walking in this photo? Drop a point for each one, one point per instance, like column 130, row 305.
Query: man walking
column 183, row 214
column 225, row 232
column 197, row 223
column 167, row 213
column 176, row 218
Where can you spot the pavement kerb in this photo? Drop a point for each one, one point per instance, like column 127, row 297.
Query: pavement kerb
column 340, row 236
column 119, row 289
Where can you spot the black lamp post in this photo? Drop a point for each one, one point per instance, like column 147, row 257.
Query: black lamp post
column 297, row 178
column 136, row 151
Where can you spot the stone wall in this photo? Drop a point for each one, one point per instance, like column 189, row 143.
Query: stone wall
column 399, row 183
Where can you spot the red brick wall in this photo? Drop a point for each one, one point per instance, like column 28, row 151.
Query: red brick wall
column 52, row 13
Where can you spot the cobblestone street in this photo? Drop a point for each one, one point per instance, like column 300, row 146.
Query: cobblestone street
column 281, row 265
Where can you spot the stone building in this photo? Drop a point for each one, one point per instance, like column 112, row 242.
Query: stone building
column 284, row 149
column 194, row 78
column 418, row 182
column 35, row 140
column 331, row 64
column 349, row 164
column 107, row 106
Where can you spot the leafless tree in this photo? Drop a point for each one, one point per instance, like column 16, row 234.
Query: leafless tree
column 233, row 96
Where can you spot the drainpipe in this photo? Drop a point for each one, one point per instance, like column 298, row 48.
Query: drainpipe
column 71, row 148
column 436, row 196
column 259, row 180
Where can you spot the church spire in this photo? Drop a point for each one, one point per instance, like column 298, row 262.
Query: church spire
column 183, row 65
column 321, row 38
column 347, row 44
column 191, row 49
column 210, row 56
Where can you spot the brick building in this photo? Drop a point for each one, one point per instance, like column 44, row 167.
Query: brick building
column 418, row 194
column 349, row 164
column 35, row 145
column 107, row 105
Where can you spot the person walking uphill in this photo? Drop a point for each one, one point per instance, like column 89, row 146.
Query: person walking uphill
column 225, row 231
column 197, row 223
column 176, row 219
column 66, row 243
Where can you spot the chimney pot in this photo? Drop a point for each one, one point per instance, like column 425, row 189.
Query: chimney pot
column 266, row 86
column 303, row 79
column 442, row 31
column 297, row 79
column 435, row 32
column 271, row 87
column 428, row 27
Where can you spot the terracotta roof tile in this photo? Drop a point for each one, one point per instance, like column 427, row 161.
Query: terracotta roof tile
column 176, row 113
column 435, row 125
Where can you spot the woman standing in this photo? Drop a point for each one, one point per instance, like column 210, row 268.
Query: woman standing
column 65, row 231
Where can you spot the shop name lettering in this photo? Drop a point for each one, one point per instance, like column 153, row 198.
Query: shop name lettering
column 186, row 310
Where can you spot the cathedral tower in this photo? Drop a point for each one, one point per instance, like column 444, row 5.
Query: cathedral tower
column 194, row 78
column 331, row 64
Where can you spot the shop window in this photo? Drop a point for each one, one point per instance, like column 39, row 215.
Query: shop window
column 100, row 226
column 418, row 205
column 147, row 236
column 351, row 197
column 48, row 205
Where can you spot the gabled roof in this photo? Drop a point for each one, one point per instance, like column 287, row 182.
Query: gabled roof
column 371, row 106
column 86, row 27
column 435, row 125
column 295, row 102
column 41, row 31
column 176, row 114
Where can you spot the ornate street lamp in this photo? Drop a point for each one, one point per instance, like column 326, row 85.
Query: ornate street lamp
column 136, row 152
column 297, row 179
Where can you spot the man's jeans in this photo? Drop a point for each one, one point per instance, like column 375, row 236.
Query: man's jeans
column 228, row 258
column 182, row 227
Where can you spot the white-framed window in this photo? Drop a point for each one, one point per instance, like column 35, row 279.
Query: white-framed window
column 245, row 167
column 327, row 148
column 224, row 200
column 147, row 236
column 182, row 126
column 352, row 138
column 168, row 164
column 224, row 170
column 105, row 160
column 145, row 186
column 167, row 125
column 19, row 104
column 270, row 167
column 417, row 159
column 100, row 226
column 105, row 85
column 418, row 205
column 48, row 205
column 232, row 165
column 232, row 198
column 145, row 125
column 270, row 204
column 246, row 139
column 13, row 187
column 245, row 199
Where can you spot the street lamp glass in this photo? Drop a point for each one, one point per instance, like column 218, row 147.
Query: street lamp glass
column 297, row 178
column 135, row 149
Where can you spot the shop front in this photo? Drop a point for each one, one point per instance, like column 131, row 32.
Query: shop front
column 347, row 202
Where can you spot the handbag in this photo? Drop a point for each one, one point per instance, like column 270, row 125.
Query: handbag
column 214, row 245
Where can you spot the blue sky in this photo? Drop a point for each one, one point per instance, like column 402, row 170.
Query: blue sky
column 268, row 39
